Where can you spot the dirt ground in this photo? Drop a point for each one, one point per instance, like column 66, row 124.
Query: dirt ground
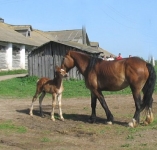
column 75, row 133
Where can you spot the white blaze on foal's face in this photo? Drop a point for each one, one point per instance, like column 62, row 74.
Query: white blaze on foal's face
column 63, row 72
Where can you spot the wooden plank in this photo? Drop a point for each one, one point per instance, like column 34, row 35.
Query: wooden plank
column 39, row 67
column 52, row 65
column 36, row 65
column 43, row 66
column 46, row 60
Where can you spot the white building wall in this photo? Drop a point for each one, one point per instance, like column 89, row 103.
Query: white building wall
column 22, row 57
column 9, row 51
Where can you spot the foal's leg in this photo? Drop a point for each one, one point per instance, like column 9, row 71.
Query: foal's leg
column 59, row 97
column 104, row 105
column 93, row 105
column 54, row 95
column 40, row 103
column 136, row 118
column 33, row 100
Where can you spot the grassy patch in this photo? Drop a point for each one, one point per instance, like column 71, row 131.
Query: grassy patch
column 10, row 72
column 26, row 87
column 18, row 87
column 8, row 126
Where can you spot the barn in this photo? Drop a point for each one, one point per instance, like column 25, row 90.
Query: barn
column 42, row 60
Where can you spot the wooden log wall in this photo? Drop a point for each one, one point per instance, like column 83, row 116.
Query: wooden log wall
column 42, row 61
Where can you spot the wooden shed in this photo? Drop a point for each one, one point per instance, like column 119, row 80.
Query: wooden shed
column 42, row 60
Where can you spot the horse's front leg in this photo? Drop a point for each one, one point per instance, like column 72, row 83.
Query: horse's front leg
column 105, row 107
column 59, row 97
column 92, row 118
column 54, row 95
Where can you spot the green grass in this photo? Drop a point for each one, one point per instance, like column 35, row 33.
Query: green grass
column 8, row 126
column 11, row 72
column 18, row 87
column 26, row 86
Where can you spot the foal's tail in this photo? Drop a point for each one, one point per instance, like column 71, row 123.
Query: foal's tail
column 148, row 88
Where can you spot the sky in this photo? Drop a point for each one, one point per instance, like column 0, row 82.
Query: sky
column 128, row 27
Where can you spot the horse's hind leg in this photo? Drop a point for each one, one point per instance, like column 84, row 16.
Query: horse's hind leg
column 40, row 103
column 59, row 97
column 149, row 114
column 93, row 106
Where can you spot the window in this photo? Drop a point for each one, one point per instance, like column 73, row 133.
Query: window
column 29, row 34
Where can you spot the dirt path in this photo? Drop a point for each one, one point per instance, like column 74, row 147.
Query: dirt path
column 75, row 133
column 11, row 76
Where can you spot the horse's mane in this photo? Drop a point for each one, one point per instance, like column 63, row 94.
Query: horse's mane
column 93, row 61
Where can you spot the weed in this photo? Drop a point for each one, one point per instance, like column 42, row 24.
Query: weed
column 143, row 144
column 130, row 137
column 44, row 139
column 125, row 145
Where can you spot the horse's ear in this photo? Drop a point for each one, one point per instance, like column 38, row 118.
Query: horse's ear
column 67, row 52
column 56, row 68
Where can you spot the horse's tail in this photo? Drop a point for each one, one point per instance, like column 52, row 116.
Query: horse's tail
column 148, row 88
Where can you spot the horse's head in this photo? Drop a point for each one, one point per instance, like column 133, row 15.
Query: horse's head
column 61, row 72
column 67, row 62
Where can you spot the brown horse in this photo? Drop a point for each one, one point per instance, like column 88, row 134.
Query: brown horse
column 101, row 75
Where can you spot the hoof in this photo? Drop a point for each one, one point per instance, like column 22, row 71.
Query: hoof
column 132, row 124
column 145, row 123
column 31, row 114
column 149, row 118
column 53, row 119
column 42, row 116
column 91, row 120
column 62, row 119
column 109, row 122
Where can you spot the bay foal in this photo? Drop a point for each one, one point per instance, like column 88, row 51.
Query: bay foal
column 54, row 87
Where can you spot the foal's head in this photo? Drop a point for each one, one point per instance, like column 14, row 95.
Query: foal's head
column 61, row 72
column 67, row 62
